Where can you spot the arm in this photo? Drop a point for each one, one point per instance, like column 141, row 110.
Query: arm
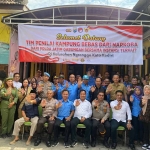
column 107, row 114
column 129, row 113
column 89, row 113
column 16, row 96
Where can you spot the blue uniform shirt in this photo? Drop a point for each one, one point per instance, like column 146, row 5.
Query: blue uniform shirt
column 92, row 80
column 87, row 89
column 127, row 84
column 61, row 87
column 73, row 91
column 65, row 110
column 136, row 109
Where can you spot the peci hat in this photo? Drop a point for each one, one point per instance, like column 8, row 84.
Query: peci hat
column 85, row 77
column 46, row 74
column 55, row 77
column 33, row 91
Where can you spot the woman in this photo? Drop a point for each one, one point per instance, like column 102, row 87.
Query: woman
column 9, row 98
column 135, row 99
column 22, row 93
column 145, row 116
column 34, row 85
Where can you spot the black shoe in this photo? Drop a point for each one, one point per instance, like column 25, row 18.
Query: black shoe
column 48, row 143
column 132, row 147
column 106, row 144
column 55, row 144
column 67, row 145
column 113, row 145
column 145, row 146
column 86, row 145
column 37, row 142
column 93, row 143
column 3, row 136
column 73, row 144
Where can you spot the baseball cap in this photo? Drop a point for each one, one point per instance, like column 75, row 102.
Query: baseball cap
column 85, row 77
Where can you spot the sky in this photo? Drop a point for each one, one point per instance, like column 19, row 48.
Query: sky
column 34, row 4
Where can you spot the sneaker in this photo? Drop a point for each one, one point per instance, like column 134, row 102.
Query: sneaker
column 86, row 145
column 148, row 148
column 73, row 144
column 67, row 145
column 55, row 144
column 145, row 146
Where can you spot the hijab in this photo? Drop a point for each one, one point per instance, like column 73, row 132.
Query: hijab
column 141, row 92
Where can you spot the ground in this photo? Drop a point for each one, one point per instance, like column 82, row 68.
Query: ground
column 20, row 145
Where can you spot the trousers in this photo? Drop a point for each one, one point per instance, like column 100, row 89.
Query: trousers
column 20, row 122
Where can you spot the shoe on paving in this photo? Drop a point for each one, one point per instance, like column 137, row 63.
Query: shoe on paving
column 73, row 144
column 67, row 145
column 55, row 144
column 131, row 146
column 145, row 146
column 86, row 145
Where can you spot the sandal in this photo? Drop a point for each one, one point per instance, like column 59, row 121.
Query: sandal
column 13, row 142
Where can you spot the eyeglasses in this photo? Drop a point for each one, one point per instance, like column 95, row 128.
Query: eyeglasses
column 17, row 76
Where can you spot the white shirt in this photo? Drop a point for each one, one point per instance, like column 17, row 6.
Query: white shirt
column 83, row 110
column 17, row 84
column 120, row 115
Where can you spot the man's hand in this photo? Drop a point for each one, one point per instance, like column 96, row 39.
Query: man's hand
column 131, row 98
column 52, row 118
column 57, row 87
column 77, row 103
column 67, row 84
column 82, row 119
column 58, row 105
column 22, row 91
column 102, row 120
column 129, row 126
column 93, row 89
column 28, row 98
column 11, row 105
column 79, row 82
column 119, row 106
column 26, row 119
column 43, row 103
column 68, row 118
column 109, row 89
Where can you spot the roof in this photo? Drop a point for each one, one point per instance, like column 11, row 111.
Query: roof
column 70, row 15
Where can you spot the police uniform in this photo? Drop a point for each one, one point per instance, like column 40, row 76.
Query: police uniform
column 100, row 112
column 45, row 87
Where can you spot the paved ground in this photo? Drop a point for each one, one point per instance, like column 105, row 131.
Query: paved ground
column 20, row 145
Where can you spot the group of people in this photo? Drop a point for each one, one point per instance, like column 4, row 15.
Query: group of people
column 101, row 104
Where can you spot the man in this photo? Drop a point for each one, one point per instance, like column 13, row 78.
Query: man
column 16, row 83
column 38, row 76
column 49, row 114
column 83, row 112
column 126, row 81
column 97, row 88
column 85, row 86
column 45, row 85
column 65, row 111
column 29, row 113
column 101, row 113
column 106, row 75
column 120, row 113
column 92, row 77
column 113, row 87
column 72, row 88
column 55, row 80
column 61, row 86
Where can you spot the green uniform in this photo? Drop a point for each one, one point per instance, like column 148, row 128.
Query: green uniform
column 8, row 113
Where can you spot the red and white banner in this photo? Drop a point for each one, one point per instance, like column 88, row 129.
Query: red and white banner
column 120, row 45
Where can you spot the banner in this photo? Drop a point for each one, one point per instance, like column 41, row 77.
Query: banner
column 119, row 45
